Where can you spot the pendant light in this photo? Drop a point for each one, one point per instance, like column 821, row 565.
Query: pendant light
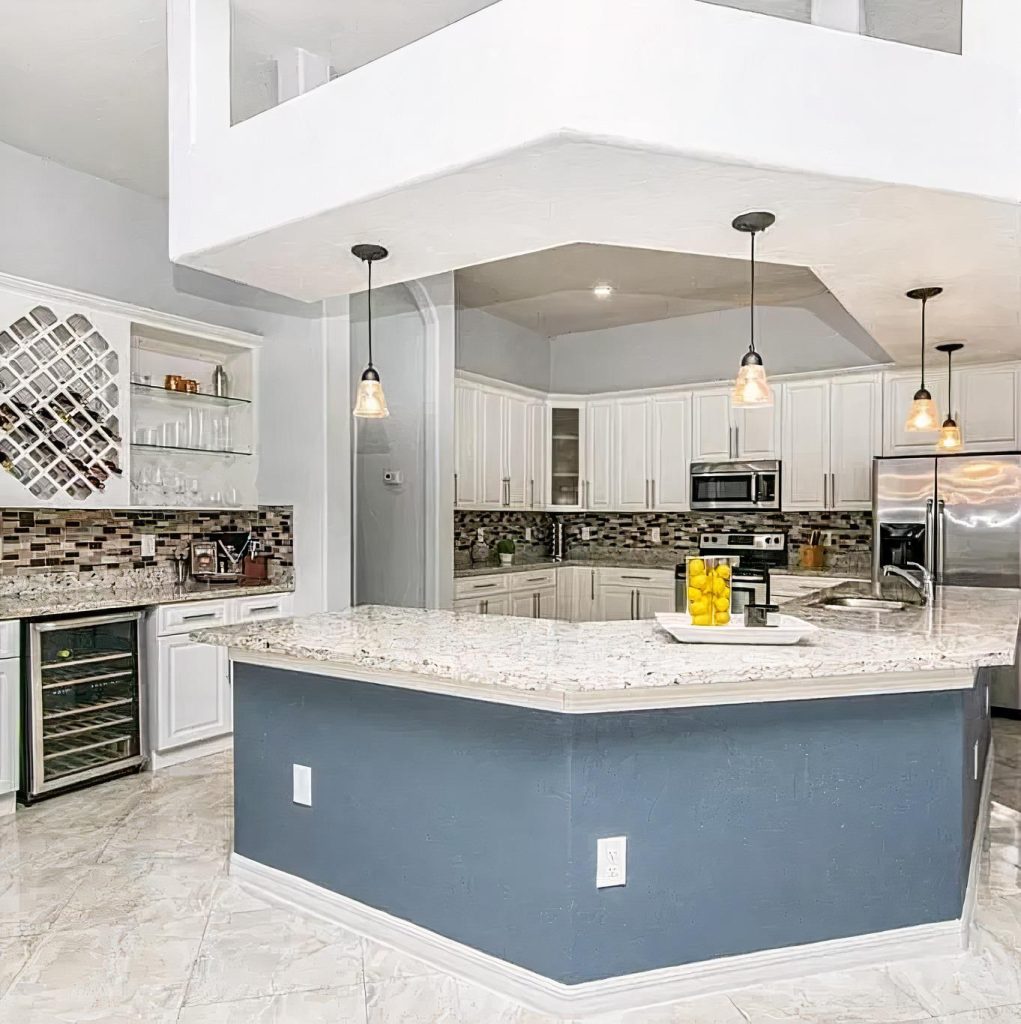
column 923, row 414
column 950, row 432
column 751, row 386
column 370, row 402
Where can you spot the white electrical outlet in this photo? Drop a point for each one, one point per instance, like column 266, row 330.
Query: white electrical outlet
column 148, row 545
column 827, row 539
column 302, row 785
column 586, row 533
column 654, row 535
column 611, row 861
column 528, row 533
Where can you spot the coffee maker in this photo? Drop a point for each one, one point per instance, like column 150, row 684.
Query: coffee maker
column 221, row 558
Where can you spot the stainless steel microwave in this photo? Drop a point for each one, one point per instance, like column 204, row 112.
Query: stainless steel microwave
column 736, row 486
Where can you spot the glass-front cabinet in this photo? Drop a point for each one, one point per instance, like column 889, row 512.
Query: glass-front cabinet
column 566, row 462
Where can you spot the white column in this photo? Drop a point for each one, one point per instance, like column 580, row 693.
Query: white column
column 845, row 15
column 991, row 31
column 299, row 71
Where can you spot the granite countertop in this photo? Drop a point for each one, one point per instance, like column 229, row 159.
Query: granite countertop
column 72, row 600
column 622, row 562
column 963, row 629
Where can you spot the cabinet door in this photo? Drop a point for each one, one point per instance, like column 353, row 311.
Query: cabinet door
column 854, row 440
column 632, row 456
column 546, row 603
column 806, row 446
column 757, row 428
column 516, row 471
column 193, row 692
column 578, row 590
column 537, row 444
column 985, row 407
column 466, row 445
column 498, row 604
column 565, row 470
column 650, row 601
column 522, row 603
column 615, row 601
column 671, row 453
column 10, row 729
column 899, row 391
column 711, row 435
column 599, row 463
column 492, row 491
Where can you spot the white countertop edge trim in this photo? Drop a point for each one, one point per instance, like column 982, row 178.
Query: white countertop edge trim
column 590, row 702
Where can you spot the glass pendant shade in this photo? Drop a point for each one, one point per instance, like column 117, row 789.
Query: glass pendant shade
column 751, row 386
column 949, row 436
column 370, row 402
column 923, row 414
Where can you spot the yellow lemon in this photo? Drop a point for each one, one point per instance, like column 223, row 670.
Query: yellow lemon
column 722, row 618
column 723, row 571
column 699, row 607
column 722, row 604
column 694, row 593
column 700, row 620
column 696, row 567
column 700, row 582
column 719, row 586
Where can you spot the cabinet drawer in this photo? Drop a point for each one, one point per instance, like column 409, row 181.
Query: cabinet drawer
column 643, row 579
column 481, row 585
column 182, row 618
column 10, row 639
column 268, row 606
column 531, row 581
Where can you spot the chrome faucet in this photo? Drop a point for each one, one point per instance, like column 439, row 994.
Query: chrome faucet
column 921, row 581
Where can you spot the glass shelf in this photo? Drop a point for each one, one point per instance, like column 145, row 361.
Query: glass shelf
column 216, row 453
column 185, row 397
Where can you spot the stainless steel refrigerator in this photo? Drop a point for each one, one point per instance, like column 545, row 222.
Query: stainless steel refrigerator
column 960, row 517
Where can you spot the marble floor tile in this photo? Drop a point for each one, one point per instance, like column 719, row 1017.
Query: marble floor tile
column 321, row 1006
column 702, row 1010
column 120, row 971
column 231, row 898
column 845, row 997
column 37, row 849
column 382, row 964
column 997, row 1015
column 14, row 954
column 31, row 899
column 431, row 999
column 269, row 952
column 477, row 1005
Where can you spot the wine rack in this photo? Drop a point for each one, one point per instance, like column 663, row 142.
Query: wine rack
column 60, row 405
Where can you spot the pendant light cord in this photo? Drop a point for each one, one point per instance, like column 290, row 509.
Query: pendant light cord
column 751, row 335
column 369, row 305
column 924, row 301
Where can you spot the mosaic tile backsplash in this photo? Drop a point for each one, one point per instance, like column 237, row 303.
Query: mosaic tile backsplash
column 109, row 541
column 614, row 532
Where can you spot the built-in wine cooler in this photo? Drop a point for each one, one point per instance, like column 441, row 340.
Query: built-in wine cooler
column 83, row 702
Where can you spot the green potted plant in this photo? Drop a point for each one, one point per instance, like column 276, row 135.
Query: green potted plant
column 505, row 549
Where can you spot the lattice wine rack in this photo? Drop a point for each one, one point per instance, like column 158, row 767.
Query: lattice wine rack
column 59, row 405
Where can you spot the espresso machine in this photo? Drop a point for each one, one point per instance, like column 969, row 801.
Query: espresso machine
column 221, row 559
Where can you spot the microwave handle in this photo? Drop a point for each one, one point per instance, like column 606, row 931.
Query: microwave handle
column 755, row 488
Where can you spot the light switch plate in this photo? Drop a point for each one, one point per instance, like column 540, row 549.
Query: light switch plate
column 655, row 536
column 148, row 545
column 528, row 533
column 611, row 861
column 586, row 533
column 302, row 785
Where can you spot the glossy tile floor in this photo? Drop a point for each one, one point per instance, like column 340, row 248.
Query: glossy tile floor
column 115, row 908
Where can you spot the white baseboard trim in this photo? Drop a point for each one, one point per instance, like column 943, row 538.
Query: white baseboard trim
column 628, row 992
column 191, row 752
column 977, row 843
column 8, row 804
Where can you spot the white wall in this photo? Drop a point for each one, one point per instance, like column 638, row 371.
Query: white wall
column 66, row 228
column 497, row 348
column 698, row 349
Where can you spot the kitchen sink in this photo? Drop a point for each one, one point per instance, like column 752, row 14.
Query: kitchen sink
column 866, row 604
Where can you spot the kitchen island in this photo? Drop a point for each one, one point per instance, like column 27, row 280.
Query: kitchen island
column 785, row 809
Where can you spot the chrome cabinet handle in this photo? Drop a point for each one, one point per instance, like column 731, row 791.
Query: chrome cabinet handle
column 455, row 489
column 652, row 502
column 638, row 604
column 941, row 508
column 264, row 608
column 531, row 484
column 484, row 606
column 825, row 492
column 646, row 578
column 632, row 605
column 536, row 579
column 593, row 595
column 483, row 586
column 646, row 493
column 195, row 618
column 737, row 441
column 930, row 540
column 833, row 490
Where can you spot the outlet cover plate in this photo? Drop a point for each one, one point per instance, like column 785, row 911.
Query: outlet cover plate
column 148, row 545
column 611, row 861
column 302, row 785
column 586, row 533
column 655, row 536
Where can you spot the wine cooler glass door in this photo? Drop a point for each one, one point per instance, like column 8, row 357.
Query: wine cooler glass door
column 86, row 700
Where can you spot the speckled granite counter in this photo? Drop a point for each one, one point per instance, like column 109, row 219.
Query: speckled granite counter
column 608, row 665
column 621, row 563
column 73, row 600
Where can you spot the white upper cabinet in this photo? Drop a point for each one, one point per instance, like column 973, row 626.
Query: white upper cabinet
column 466, row 439
column 671, row 452
column 900, row 391
column 516, row 465
column 633, row 457
column 599, row 455
column 492, row 488
column 720, row 432
column 985, row 407
column 537, row 448
column 855, row 437
column 806, row 446
column 712, row 434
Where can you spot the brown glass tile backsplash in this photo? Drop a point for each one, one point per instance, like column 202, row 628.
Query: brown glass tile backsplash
column 851, row 532
column 44, row 540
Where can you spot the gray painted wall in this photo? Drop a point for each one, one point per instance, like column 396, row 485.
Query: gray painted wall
column 497, row 348
column 70, row 229
column 749, row 827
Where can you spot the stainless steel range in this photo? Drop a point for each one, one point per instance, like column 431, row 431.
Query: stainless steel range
column 757, row 554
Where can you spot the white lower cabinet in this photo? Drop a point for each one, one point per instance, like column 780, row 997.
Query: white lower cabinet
column 190, row 684
column 615, row 601
column 633, row 594
column 10, row 731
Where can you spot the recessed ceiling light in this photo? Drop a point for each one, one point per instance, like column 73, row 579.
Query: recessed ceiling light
column 602, row 291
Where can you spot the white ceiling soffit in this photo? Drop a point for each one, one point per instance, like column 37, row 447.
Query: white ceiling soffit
column 550, row 292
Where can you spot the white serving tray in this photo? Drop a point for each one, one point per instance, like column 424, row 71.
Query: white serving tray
column 790, row 631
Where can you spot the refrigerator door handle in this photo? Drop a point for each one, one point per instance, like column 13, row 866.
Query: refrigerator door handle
column 930, row 529
column 941, row 511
